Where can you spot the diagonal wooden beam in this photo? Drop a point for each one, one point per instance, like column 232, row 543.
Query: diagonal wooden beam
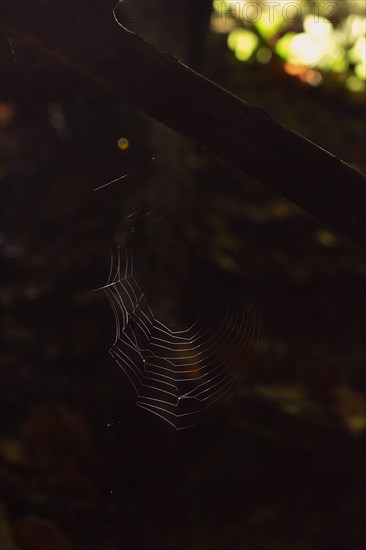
column 85, row 35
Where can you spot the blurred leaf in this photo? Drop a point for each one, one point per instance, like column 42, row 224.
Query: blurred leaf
column 243, row 43
column 12, row 451
column 351, row 405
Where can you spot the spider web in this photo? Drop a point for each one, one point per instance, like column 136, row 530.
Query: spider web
column 177, row 375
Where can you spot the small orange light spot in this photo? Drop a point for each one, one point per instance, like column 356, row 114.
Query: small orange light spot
column 314, row 78
column 294, row 70
column 7, row 112
column 123, row 144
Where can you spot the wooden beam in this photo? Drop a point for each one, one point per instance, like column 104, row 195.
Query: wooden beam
column 85, row 35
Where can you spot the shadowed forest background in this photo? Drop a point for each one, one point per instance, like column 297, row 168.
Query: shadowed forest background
column 280, row 464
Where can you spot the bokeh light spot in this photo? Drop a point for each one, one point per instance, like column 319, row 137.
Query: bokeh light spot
column 264, row 55
column 123, row 144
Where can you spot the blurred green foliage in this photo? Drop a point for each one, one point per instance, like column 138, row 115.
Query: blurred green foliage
column 317, row 41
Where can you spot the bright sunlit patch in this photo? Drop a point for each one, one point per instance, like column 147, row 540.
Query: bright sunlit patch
column 360, row 71
column 283, row 45
column 318, row 43
column 340, row 65
column 354, row 84
column 358, row 52
column 319, row 29
column 123, row 144
column 305, row 50
column 243, row 43
column 355, row 26
column 319, row 46
column 270, row 22
column 233, row 38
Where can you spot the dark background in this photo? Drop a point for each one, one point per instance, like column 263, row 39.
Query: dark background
column 280, row 465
